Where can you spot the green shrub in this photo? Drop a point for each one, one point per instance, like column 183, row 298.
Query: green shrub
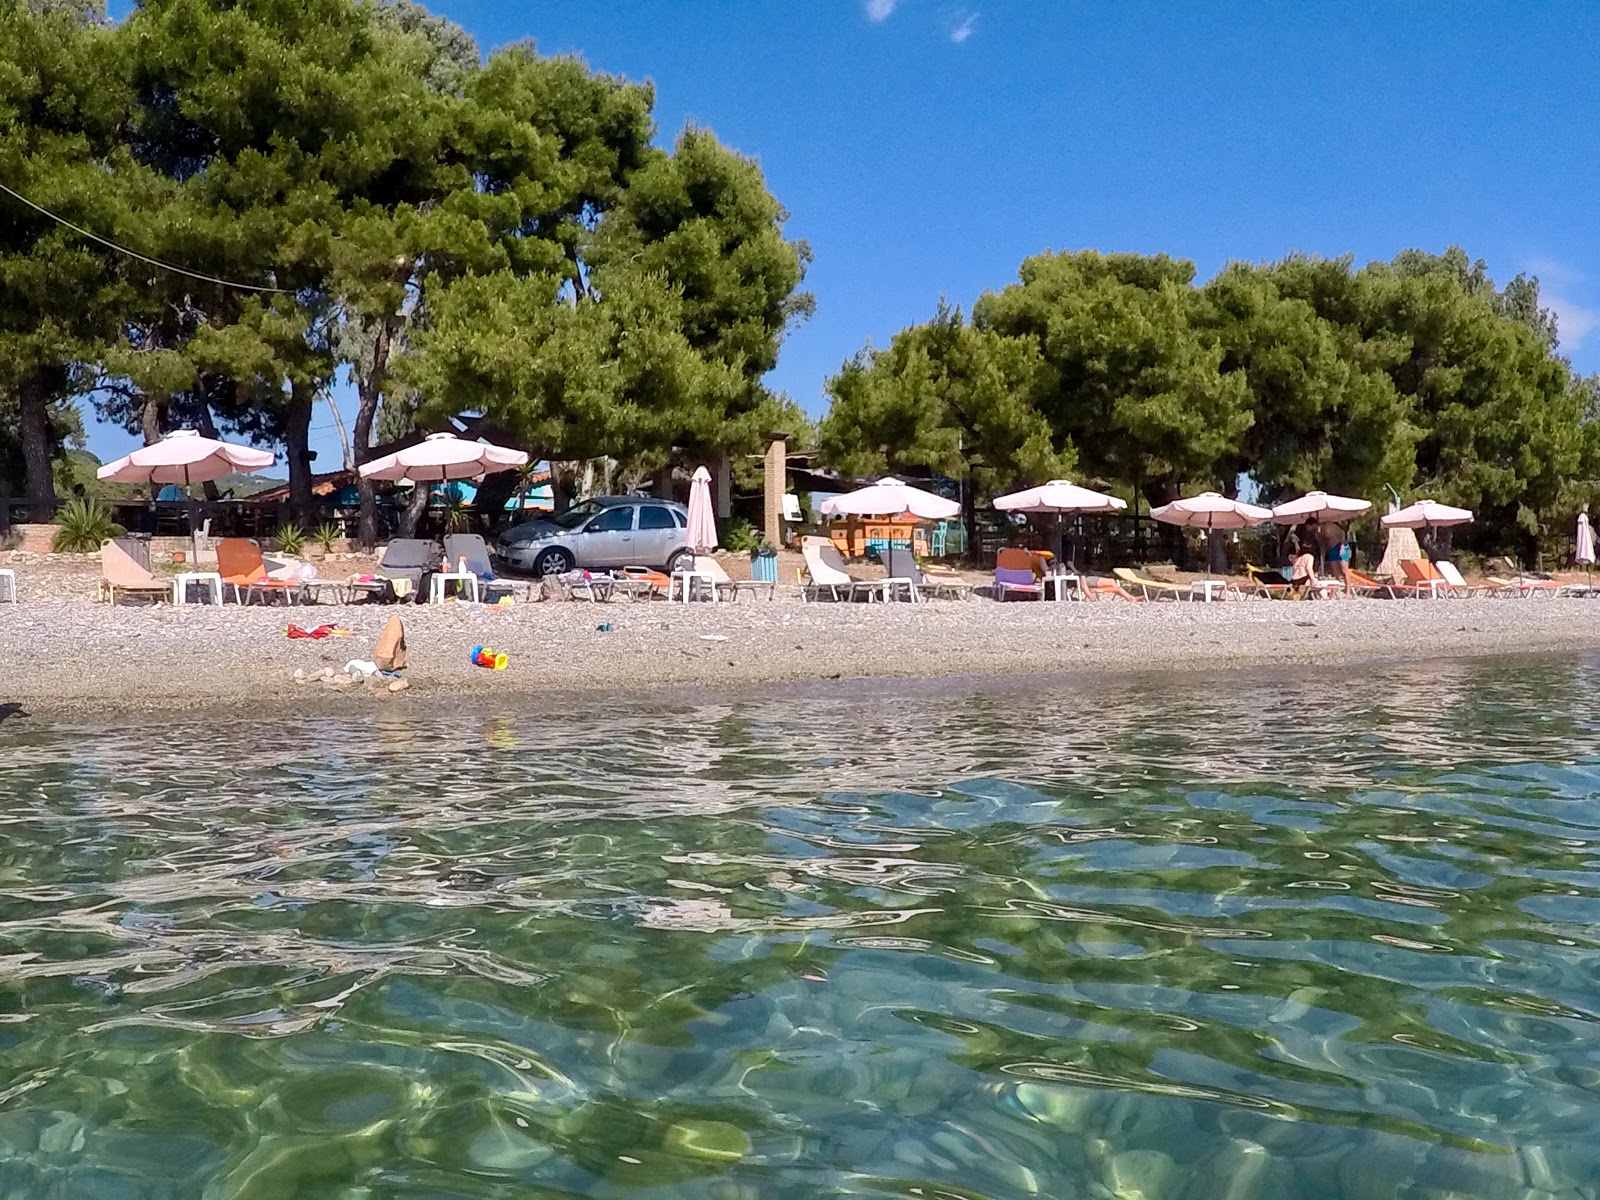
column 82, row 527
column 291, row 539
column 327, row 536
column 742, row 537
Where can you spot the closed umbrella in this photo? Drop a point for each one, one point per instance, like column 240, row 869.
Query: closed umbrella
column 1583, row 548
column 1059, row 496
column 1211, row 510
column 441, row 457
column 1319, row 506
column 702, row 522
column 184, row 457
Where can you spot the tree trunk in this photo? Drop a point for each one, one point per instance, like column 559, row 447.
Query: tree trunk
column 370, row 390
column 297, row 442
column 33, row 404
column 969, row 518
column 416, row 508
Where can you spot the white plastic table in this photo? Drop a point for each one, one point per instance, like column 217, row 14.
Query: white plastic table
column 683, row 582
column 1059, row 585
column 180, row 586
column 1209, row 589
column 467, row 580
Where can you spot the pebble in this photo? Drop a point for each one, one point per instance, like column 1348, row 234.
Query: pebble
column 399, row 685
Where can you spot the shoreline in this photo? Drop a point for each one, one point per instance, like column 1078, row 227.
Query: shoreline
column 67, row 660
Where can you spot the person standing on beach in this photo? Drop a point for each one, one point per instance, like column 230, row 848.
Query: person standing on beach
column 1335, row 541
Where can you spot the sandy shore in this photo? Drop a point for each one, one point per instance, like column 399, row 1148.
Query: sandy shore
column 59, row 653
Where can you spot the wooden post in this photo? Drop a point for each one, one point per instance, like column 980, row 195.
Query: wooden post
column 775, row 481
column 722, row 487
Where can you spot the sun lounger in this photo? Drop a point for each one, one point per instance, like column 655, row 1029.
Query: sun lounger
column 1014, row 575
column 1526, row 586
column 242, row 568
column 8, row 585
column 900, row 564
column 1421, row 579
column 710, row 568
column 401, row 570
column 121, row 573
column 1150, row 589
column 471, row 548
column 1456, row 585
column 826, row 574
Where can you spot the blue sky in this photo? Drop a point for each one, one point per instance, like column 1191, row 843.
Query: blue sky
column 925, row 148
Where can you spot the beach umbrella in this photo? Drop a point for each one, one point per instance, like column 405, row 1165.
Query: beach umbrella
column 441, row 457
column 1209, row 511
column 184, row 457
column 1319, row 506
column 1583, row 548
column 1059, row 497
column 1426, row 514
column 890, row 498
column 702, row 523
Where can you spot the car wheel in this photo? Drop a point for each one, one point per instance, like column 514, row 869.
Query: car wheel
column 677, row 559
column 554, row 561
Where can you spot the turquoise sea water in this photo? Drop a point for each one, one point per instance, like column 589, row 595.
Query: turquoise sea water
column 1327, row 935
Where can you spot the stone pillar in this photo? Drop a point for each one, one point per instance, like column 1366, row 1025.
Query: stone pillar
column 774, row 482
column 722, row 487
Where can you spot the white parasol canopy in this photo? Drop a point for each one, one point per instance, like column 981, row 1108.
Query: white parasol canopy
column 889, row 498
column 1212, row 510
column 441, row 457
column 1059, row 496
column 1427, row 514
column 1583, row 547
column 702, row 521
column 184, row 457
column 1319, row 506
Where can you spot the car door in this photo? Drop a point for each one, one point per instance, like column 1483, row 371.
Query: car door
column 658, row 535
column 607, row 540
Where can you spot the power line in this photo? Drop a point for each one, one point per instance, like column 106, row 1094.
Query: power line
column 145, row 258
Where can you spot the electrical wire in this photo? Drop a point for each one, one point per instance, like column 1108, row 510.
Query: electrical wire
column 145, row 258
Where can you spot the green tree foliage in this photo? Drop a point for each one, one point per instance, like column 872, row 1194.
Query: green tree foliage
column 1418, row 374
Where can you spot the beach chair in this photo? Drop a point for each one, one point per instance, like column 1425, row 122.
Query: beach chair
column 471, row 548
column 725, row 584
column 1014, row 575
column 405, row 562
column 121, row 573
column 8, row 584
column 1150, row 589
column 900, row 563
column 826, row 574
column 1525, row 586
column 1421, row 579
column 242, row 568
column 1456, row 585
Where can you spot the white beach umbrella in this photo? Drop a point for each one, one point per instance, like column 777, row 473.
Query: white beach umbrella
column 889, row 498
column 184, row 457
column 1426, row 514
column 1583, row 546
column 702, row 522
column 1319, row 506
column 1211, row 510
column 441, row 457
column 1059, row 496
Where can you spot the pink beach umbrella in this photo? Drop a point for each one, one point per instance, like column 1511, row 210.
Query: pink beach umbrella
column 1060, row 497
column 1583, row 545
column 1426, row 514
column 441, row 457
column 702, row 521
column 1319, row 506
column 184, row 457
column 1211, row 510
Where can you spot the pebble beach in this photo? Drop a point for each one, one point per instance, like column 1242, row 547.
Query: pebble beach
column 61, row 652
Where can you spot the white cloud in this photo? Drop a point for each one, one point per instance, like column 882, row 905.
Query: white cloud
column 1550, row 270
column 880, row 10
column 963, row 26
column 1574, row 321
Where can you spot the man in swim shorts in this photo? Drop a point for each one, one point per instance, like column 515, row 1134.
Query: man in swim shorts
column 1335, row 541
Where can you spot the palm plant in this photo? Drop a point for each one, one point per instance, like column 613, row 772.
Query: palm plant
column 83, row 526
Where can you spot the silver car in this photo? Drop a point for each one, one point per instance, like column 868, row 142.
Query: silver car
column 606, row 532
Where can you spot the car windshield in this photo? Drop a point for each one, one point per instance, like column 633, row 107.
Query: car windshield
column 575, row 515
